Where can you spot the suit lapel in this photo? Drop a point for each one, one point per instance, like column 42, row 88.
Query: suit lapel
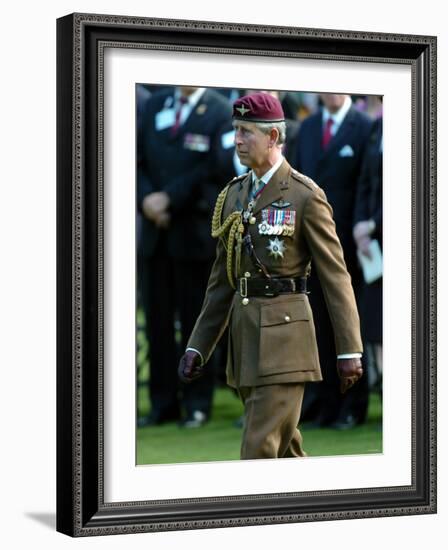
column 273, row 190
column 194, row 115
column 313, row 150
column 315, row 143
column 243, row 192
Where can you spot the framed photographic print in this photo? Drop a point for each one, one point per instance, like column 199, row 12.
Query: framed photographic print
column 121, row 470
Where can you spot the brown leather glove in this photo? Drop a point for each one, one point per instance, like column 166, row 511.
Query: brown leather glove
column 190, row 366
column 350, row 371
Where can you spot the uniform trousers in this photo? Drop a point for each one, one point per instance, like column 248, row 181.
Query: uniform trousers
column 271, row 416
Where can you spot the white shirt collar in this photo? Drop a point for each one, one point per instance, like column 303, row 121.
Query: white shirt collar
column 190, row 105
column 268, row 175
column 192, row 99
column 338, row 117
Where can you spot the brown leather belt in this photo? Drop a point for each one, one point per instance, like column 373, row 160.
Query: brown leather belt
column 248, row 287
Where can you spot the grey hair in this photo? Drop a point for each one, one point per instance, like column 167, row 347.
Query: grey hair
column 266, row 127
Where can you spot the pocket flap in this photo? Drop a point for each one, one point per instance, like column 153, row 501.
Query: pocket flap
column 280, row 313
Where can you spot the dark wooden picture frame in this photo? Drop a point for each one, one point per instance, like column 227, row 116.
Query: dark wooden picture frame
column 81, row 509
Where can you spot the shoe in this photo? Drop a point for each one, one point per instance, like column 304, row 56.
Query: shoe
column 346, row 423
column 142, row 421
column 194, row 420
column 156, row 419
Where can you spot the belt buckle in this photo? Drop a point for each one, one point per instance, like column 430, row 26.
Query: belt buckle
column 243, row 287
column 272, row 288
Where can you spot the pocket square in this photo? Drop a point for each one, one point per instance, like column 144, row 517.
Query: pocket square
column 346, row 151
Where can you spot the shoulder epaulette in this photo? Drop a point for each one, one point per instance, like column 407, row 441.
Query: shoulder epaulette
column 237, row 178
column 308, row 182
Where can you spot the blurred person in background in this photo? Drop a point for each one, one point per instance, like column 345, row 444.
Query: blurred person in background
column 291, row 107
column 299, row 105
column 142, row 94
column 371, row 105
column 180, row 171
column 368, row 227
column 330, row 148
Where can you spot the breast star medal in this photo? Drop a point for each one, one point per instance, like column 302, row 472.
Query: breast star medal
column 276, row 248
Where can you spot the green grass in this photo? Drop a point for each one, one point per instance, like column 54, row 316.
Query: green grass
column 220, row 439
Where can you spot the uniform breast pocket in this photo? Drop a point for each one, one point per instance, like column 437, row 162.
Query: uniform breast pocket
column 287, row 337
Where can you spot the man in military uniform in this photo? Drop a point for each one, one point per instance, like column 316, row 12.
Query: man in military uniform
column 270, row 223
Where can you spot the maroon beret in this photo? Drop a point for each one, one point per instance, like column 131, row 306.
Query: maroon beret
column 258, row 107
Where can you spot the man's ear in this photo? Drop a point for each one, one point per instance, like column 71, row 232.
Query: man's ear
column 273, row 137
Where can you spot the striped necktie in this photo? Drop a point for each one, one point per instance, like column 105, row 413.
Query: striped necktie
column 182, row 101
column 256, row 187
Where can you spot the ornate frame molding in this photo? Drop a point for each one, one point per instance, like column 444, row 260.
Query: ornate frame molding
column 81, row 509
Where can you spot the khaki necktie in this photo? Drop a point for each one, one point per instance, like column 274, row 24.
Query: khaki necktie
column 256, row 186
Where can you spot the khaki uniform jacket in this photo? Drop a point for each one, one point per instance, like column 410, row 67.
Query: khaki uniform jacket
column 272, row 340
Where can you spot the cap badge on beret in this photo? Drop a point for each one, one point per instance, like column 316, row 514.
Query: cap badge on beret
column 242, row 110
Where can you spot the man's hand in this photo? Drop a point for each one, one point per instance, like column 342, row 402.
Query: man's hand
column 350, row 371
column 361, row 233
column 155, row 204
column 162, row 221
column 190, row 367
column 364, row 246
column 363, row 229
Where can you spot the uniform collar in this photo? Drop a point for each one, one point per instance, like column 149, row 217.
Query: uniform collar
column 268, row 175
column 276, row 188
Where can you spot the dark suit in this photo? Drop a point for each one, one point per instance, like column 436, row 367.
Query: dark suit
column 369, row 206
column 176, row 261
column 336, row 170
